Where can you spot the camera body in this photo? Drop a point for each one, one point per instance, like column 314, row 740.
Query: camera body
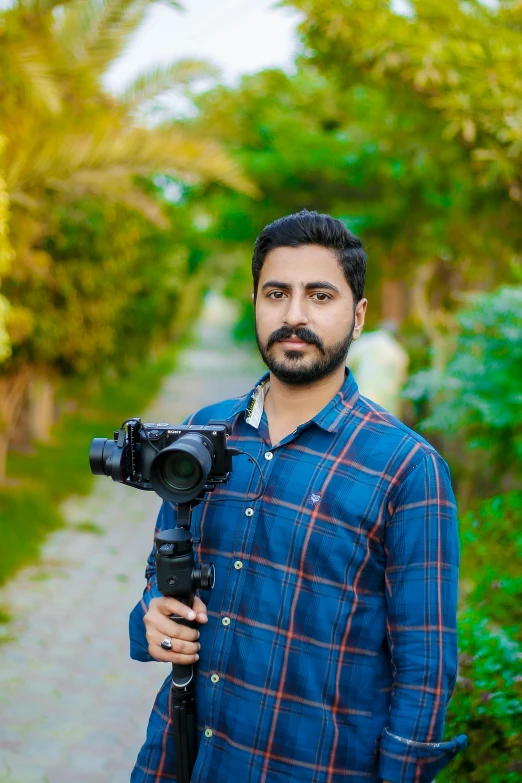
column 160, row 436
column 177, row 461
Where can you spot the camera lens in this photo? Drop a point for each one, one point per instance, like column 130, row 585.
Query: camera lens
column 100, row 454
column 180, row 471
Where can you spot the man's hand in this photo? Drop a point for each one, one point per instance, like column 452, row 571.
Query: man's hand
column 184, row 640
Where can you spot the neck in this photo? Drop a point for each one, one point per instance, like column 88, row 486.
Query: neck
column 299, row 404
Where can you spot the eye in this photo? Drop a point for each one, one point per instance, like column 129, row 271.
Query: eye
column 320, row 296
column 276, row 294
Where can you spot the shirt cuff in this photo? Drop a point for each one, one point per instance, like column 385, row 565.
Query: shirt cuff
column 405, row 761
column 139, row 649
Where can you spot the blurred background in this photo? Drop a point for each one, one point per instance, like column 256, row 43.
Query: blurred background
column 143, row 146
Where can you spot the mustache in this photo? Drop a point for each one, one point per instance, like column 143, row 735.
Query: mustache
column 301, row 332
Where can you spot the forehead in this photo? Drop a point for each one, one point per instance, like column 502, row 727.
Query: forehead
column 301, row 265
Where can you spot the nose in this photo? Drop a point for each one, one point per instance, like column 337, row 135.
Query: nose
column 295, row 314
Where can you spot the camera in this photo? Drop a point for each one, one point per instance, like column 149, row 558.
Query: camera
column 178, row 462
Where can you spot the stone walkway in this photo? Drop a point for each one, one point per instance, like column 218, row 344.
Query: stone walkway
column 73, row 706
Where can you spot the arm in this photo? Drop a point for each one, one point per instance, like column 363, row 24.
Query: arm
column 421, row 591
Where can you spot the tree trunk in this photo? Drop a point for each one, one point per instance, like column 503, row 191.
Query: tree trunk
column 13, row 390
column 394, row 301
column 41, row 409
column 4, row 441
column 436, row 323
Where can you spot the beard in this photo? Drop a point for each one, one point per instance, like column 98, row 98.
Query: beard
column 296, row 369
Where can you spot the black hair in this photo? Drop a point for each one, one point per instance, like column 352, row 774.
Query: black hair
column 313, row 228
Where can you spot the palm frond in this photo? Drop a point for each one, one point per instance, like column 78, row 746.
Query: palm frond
column 173, row 4
column 43, row 6
column 61, row 154
column 36, row 76
column 99, row 30
column 159, row 79
column 115, row 189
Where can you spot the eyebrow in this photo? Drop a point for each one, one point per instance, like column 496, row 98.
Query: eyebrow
column 307, row 287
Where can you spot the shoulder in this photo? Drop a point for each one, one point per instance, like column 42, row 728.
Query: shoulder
column 388, row 426
column 390, row 447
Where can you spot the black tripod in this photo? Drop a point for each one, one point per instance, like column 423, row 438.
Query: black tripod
column 178, row 577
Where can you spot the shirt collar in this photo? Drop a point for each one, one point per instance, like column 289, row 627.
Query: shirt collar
column 329, row 418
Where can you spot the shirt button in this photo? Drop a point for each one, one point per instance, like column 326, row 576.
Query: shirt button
column 249, row 512
column 238, row 565
column 268, row 455
column 208, row 732
column 226, row 620
column 215, row 677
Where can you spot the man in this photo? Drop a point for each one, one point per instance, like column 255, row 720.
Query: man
column 327, row 649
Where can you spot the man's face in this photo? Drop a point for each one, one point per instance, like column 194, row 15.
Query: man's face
column 305, row 314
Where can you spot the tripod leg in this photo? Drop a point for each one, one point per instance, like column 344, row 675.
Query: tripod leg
column 184, row 728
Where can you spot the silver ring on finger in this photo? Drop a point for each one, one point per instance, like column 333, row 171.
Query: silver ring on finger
column 166, row 644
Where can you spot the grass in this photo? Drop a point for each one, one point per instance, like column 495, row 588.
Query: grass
column 40, row 481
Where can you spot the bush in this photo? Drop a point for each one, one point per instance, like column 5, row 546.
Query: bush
column 486, row 705
column 479, row 394
column 491, row 569
column 487, row 702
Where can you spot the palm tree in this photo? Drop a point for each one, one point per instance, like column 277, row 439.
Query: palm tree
column 67, row 135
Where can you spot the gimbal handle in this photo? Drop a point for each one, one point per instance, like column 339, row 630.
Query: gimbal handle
column 179, row 577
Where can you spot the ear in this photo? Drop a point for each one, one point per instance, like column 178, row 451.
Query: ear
column 360, row 315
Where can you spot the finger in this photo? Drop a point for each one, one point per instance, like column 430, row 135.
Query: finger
column 171, row 628
column 168, row 606
column 159, row 654
column 201, row 610
column 179, row 646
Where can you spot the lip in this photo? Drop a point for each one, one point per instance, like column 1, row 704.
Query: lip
column 293, row 343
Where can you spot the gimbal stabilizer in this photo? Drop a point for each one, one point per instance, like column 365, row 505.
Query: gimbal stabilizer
column 178, row 576
column 180, row 463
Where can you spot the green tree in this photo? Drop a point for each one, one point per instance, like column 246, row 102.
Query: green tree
column 374, row 156
column 478, row 396
column 459, row 61
column 68, row 140
column 460, row 58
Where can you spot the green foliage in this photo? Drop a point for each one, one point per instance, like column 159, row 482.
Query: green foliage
column 479, row 394
column 491, row 569
column 99, row 276
column 5, row 260
column 114, row 277
column 372, row 154
column 25, row 518
column 487, row 701
column 476, row 399
column 486, row 705
column 459, row 58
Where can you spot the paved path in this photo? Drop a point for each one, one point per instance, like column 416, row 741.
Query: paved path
column 73, row 706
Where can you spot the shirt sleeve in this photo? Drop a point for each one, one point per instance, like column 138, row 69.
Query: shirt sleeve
column 138, row 640
column 422, row 553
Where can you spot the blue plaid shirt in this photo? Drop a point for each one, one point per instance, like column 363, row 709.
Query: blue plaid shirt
column 332, row 624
